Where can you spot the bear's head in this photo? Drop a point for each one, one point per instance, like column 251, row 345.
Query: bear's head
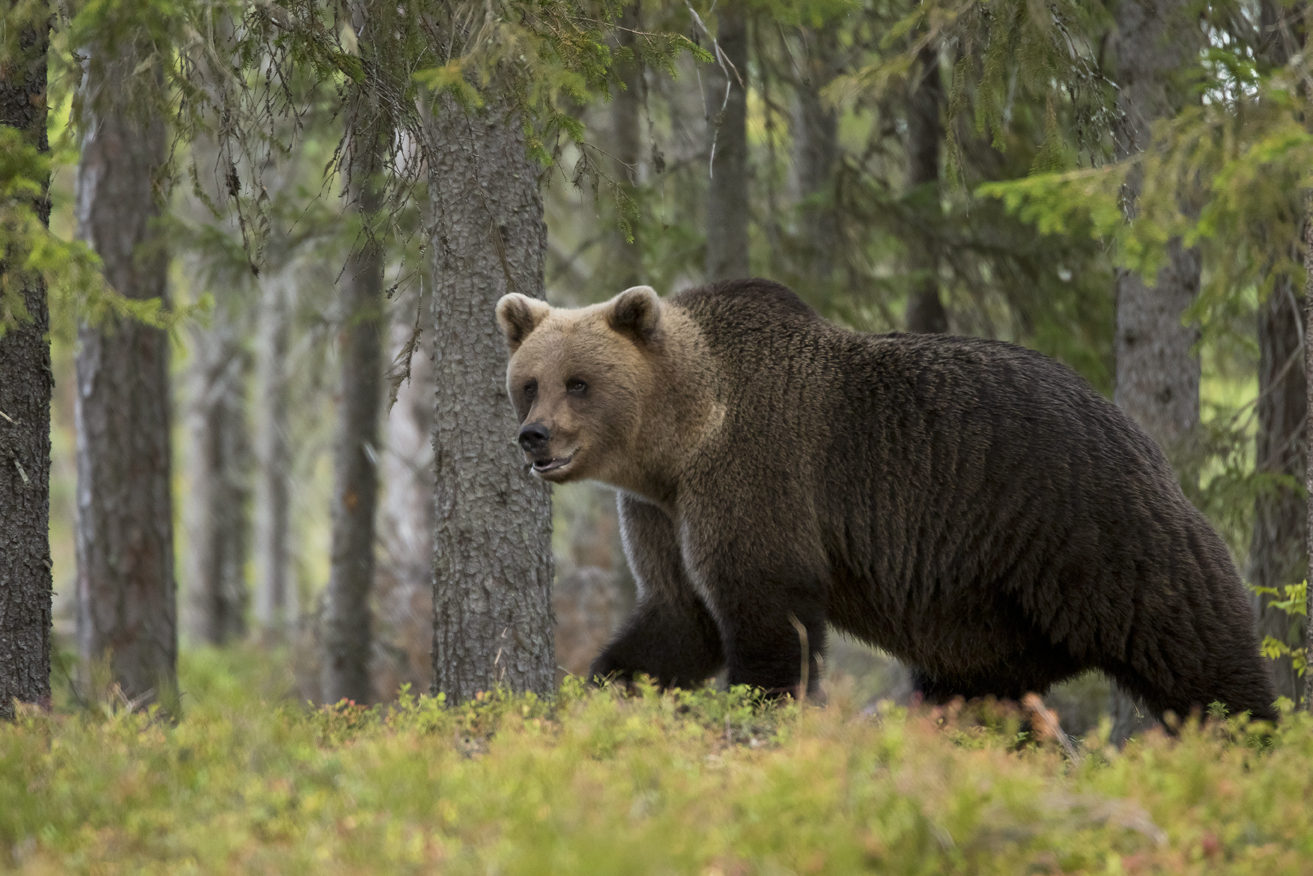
column 600, row 391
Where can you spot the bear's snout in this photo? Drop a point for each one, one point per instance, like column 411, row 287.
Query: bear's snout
column 534, row 438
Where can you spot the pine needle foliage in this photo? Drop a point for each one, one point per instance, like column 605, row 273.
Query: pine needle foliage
column 1224, row 174
column 1006, row 54
column 28, row 248
column 1023, row 90
column 538, row 60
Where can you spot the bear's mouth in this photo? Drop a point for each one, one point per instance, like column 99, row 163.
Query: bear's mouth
column 543, row 466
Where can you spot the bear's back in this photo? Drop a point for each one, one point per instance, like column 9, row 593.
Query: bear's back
column 778, row 357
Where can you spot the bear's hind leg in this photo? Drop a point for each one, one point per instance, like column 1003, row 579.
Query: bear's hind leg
column 1243, row 687
column 1173, row 668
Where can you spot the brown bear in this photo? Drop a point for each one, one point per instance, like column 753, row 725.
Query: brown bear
column 972, row 507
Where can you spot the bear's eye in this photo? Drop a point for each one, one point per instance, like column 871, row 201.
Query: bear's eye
column 575, row 386
column 531, row 390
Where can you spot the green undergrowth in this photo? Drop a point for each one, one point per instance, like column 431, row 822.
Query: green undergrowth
column 597, row 782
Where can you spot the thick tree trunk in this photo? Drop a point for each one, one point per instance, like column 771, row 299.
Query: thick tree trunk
column 126, row 588
column 346, row 621
column 275, row 595
column 728, row 207
column 1276, row 554
column 816, row 155
column 26, row 383
column 627, row 143
column 1157, row 371
column 925, row 137
column 218, row 499
column 492, row 557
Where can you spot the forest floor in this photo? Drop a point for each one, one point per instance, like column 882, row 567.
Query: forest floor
column 599, row 783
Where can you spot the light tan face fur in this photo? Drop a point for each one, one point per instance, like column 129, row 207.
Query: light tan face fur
column 581, row 375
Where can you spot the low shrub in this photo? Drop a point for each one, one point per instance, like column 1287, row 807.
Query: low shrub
column 599, row 782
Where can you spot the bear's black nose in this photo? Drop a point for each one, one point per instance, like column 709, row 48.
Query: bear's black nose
column 533, row 437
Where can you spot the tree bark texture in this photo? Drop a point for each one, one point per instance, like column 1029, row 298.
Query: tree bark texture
column 26, row 383
column 1157, row 373
column 346, row 630
column 627, row 143
column 728, row 207
column 1308, row 434
column 492, row 556
column 275, row 594
column 925, row 137
column 1276, row 554
column 219, row 495
column 1157, row 381
column 126, row 589
column 816, row 155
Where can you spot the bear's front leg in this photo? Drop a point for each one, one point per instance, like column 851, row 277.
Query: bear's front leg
column 675, row 643
column 765, row 624
column 761, row 568
column 671, row 636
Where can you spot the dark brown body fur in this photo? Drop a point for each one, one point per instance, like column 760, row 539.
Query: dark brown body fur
column 970, row 506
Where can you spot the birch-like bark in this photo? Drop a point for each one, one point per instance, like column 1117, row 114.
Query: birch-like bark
column 492, row 552
column 728, row 206
column 126, row 589
column 26, row 383
column 1157, row 370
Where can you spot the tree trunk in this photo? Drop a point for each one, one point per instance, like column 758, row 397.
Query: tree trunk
column 346, row 622
column 1157, row 372
column 1276, row 554
column 728, row 207
column 218, row 499
column 26, row 383
column 627, row 143
column 126, row 590
column 492, row 557
column 1308, row 434
column 275, row 595
column 815, row 156
column 925, row 137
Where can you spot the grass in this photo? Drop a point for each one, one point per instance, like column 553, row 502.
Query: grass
column 596, row 783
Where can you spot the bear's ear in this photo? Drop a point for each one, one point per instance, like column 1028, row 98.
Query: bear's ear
column 637, row 312
column 518, row 315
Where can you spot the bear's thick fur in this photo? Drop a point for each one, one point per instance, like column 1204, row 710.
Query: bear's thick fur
column 970, row 506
